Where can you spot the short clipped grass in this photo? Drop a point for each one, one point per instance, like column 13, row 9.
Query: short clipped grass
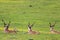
column 21, row 12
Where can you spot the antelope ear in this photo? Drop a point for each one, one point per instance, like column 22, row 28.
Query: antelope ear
column 50, row 23
column 2, row 20
column 32, row 25
column 54, row 24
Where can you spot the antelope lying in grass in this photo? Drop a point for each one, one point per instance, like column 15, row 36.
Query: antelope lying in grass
column 30, row 31
column 52, row 29
column 6, row 27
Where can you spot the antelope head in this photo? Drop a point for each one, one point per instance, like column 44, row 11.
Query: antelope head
column 52, row 26
column 30, row 26
column 6, row 26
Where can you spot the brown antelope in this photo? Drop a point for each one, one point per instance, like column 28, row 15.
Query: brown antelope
column 6, row 27
column 30, row 31
column 52, row 29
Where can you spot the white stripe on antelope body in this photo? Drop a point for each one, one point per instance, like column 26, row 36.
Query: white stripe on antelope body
column 30, row 31
column 52, row 29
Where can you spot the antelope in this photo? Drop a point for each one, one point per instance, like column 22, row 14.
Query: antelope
column 52, row 29
column 6, row 27
column 30, row 31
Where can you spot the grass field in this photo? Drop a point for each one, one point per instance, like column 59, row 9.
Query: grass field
column 20, row 14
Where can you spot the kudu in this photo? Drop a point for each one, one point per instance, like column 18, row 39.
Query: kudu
column 52, row 29
column 6, row 27
column 30, row 31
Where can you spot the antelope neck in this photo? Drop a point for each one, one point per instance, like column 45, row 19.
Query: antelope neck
column 29, row 29
column 51, row 28
column 5, row 28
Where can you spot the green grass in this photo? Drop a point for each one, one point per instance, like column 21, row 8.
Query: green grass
column 20, row 14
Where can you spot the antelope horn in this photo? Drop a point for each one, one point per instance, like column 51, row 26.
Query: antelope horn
column 28, row 24
column 9, row 23
column 3, row 21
